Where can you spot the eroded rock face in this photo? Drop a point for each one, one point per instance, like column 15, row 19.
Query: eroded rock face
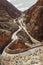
column 34, row 20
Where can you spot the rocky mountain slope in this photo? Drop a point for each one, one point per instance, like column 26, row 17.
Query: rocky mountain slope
column 8, row 13
column 34, row 20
